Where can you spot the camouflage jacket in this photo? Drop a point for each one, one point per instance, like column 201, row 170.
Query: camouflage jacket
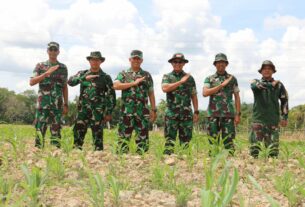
column 221, row 103
column 50, row 92
column 97, row 94
column 135, row 99
column 266, row 109
column 179, row 100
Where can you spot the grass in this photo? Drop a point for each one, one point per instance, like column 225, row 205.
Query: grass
column 200, row 174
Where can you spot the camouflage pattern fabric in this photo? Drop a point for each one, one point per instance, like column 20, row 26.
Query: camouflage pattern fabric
column 135, row 111
column 97, row 99
column 222, row 128
column 266, row 108
column 49, row 102
column 267, row 134
column 179, row 114
column 221, row 103
column 221, row 110
column 267, row 114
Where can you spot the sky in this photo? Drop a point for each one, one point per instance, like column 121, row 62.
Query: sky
column 248, row 31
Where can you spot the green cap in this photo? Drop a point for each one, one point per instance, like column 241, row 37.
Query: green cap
column 96, row 55
column 221, row 57
column 53, row 45
column 136, row 53
column 267, row 62
column 178, row 55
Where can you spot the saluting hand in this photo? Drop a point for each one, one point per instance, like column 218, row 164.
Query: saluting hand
column 185, row 78
column 51, row 70
column 227, row 81
column 90, row 77
column 139, row 80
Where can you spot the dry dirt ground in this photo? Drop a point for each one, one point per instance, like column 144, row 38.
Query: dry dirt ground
column 142, row 180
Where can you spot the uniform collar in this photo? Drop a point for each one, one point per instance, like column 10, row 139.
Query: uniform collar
column 100, row 71
column 181, row 73
column 130, row 70
column 225, row 74
column 264, row 80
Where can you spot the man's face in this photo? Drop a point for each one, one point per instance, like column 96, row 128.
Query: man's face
column 95, row 63
column 221, row 66
column 135, row 62
column 53, row 52
column 178, row 65
column 267, row 71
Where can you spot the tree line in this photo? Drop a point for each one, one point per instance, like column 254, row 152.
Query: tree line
column 20, row 109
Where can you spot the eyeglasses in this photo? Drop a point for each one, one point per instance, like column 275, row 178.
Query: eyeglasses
column 177, row 62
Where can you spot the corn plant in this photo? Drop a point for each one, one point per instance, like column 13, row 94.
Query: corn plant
column 6, row 188
column 216, row 145
column 96, row 190
column 158, row 147
column 34, row 180
column 286, row 152
column 163, row 177
column 179, row 148
column 55, row 167
column 259, row 188
column 115, row 188
column 288, row 185
column 66, row 142
column 182, row 194
column 264, row 151
column 218, row 191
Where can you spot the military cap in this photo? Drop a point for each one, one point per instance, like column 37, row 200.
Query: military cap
column 221, row 57
column 267, row 62
column 136, row 53
column 178, row 55
column 53, row 45
column 96, row 55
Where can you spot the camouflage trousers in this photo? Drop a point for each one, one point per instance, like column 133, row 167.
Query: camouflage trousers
column 141, row 126
column 89, row 117
column 43, row 117
column 268, row 135
column 222, row 128
column 174, row 125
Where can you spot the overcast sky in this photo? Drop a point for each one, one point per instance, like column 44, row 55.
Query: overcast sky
column 248, row 31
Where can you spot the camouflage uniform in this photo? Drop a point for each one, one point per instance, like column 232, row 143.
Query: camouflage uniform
column 178, row 114
column 135, row 112
column 266, row 113
column 221, row 111
column 49, row 102
column 97, row 99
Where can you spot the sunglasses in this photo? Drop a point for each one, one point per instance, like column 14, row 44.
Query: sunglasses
column 53, row 49
column 177, row 62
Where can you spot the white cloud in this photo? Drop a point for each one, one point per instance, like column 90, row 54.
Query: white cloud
column 115, row 27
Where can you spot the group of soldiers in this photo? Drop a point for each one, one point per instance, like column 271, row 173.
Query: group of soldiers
column 97, row 100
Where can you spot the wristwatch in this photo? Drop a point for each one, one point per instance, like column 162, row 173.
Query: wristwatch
column 238, row 113
column 196, row 112
column 154, row 110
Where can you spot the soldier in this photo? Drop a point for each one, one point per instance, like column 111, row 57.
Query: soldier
column 222, row 118
column 180, row 89
column 52, row 102
column 96, row 101
column 266, row 110
column 137, row 86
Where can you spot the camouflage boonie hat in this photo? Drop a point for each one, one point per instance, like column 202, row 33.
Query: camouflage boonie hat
column 136, row 53
column 178, row 56
column 53, row 45
column 96, row 55
column 221, row 57
column 267, row 62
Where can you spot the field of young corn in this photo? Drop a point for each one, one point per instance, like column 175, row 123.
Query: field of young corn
column 190, row 177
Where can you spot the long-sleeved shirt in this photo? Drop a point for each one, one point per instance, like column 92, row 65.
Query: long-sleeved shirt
column 266, row 108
